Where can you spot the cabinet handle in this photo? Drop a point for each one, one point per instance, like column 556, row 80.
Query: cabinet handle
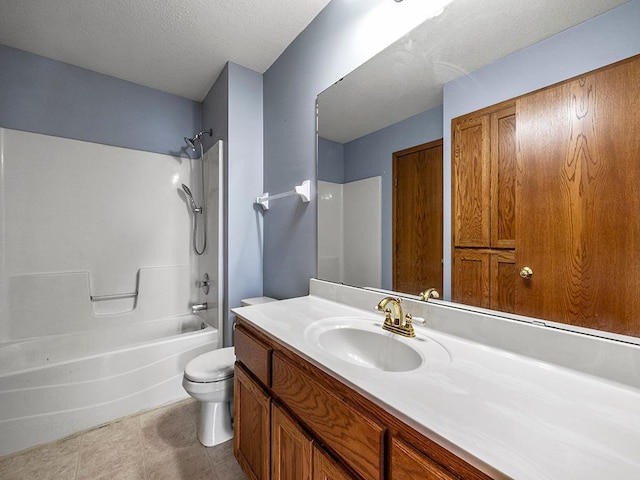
column 526, row 272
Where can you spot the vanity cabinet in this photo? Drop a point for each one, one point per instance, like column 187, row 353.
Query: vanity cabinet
column 291, row 447
column 484, row 183
column 252, row 426
column 325, row 468
column 296, row 421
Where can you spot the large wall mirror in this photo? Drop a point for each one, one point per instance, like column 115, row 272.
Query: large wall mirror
column 380, row 150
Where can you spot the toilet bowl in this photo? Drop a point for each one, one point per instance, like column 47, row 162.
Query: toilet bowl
column 209, row 379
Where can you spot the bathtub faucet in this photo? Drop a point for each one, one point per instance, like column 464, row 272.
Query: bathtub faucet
column 198, row 307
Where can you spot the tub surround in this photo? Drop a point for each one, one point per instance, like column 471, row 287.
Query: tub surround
column 97, row 282
column 522, row 412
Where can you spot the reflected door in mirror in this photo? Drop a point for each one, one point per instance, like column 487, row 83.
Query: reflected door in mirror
column 484, row 206
column 578, row 199
column 417, row 217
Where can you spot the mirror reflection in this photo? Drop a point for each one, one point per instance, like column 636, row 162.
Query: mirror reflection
column 385, row 187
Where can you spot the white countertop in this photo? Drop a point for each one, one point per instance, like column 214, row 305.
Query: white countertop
column 507, row 414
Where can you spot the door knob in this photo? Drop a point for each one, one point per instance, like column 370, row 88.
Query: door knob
column 526, row 272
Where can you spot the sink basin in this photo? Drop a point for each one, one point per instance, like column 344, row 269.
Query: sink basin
column 362, row 342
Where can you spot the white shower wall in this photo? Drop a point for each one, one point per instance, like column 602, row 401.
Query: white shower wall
column 350, row 232
column 80, row 219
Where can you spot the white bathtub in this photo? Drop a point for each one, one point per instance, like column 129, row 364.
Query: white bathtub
column 56, row 385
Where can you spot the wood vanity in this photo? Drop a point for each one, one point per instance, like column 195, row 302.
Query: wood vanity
column 295, row 421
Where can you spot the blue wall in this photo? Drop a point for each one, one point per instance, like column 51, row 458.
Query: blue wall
column 330, row 47
column 371, row 155
column 344, row 35
column 46, row 96
column 233, row 109
column 244, row 185
column 330, row 161
column 605, row 39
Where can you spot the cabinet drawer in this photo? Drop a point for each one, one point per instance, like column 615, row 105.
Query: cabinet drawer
column 253, row 354
column 355, row 438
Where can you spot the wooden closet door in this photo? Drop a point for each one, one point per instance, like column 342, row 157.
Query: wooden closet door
column 578, row 197
column 472, row 182
column 417, row 218
column 503, row 178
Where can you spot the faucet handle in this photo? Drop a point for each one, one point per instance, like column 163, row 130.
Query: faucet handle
column 420, row 320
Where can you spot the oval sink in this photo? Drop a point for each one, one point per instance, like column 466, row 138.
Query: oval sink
column 362, row 342
column 370, row 349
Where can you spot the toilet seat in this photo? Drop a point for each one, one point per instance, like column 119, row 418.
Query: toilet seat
column 213, row 366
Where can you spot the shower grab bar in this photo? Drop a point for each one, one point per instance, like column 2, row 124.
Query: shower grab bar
column 114, row 296
column 303, row 190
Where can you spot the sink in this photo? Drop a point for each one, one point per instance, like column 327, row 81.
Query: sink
column 362, row 342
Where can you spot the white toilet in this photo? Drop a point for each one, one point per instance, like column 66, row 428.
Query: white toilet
column 209, row 379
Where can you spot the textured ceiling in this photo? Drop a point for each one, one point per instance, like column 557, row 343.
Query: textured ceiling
column 176, row 46
column 407, row 78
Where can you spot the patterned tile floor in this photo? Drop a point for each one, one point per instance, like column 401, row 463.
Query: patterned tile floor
column 157, row 445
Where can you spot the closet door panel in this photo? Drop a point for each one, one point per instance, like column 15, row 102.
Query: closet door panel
column 577, row 197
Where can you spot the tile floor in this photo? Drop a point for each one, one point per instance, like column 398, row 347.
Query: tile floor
column 157, row 445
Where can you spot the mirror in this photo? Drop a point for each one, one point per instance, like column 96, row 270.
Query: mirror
column 393, row 103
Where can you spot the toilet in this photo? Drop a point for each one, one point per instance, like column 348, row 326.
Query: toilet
column 209, row 379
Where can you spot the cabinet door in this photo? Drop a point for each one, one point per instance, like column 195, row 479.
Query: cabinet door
column 578, row 199
column 485, row 278
column 325, row 468
column 356, row 438
column 503, row 178
column 502, row 280
column 252, row 422
column 471, row 277
column 291, row 448
column 471, row 182
column 407, row 463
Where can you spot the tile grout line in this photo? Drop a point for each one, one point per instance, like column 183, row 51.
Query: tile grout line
column 144, row 457
column 79, row 456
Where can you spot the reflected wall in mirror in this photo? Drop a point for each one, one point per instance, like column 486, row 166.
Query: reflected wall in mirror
column 470, row 57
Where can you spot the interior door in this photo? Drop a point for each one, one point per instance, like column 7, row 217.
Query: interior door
column 417, row 218
column 578, row 196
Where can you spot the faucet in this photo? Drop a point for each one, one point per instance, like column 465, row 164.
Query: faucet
column 397, row 309
column 198, row 307
column 395, row 324
column 429, row 293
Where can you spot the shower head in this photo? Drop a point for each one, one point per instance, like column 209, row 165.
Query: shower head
column 187, row 191
column 197, row 138
column 191, row 142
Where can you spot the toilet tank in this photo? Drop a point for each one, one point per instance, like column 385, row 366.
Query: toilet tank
column 256, row 301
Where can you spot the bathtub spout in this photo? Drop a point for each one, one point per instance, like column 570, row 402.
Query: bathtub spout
column 198, row 307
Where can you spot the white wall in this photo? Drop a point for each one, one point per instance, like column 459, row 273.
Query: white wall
column 330, row 234
column 363, row 232
column 81, row 219
column 349, row 232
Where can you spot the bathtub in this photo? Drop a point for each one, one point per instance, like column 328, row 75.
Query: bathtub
column 56, row 385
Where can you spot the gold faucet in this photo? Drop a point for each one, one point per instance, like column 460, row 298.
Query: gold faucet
column 395, row 324
column 429, row 293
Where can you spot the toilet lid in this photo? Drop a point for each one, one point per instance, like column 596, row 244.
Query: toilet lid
column 211, row 366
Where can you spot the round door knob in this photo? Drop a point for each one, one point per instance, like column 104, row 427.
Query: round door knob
column 526, row 272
